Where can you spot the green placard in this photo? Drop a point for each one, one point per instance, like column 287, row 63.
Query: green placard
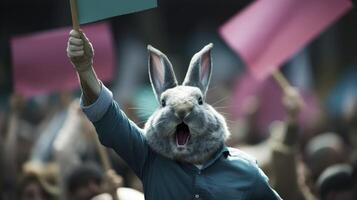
column 95, row 10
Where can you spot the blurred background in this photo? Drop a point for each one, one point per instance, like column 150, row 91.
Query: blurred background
column 47, row 135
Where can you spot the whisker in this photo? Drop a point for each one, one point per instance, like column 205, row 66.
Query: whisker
column 230, row 120
column 140, row 109
column 222, row 99
column 171, row 129
column 212, row 88
column 163, row 120
column 223, row 109
column 141, row 122
column 143, row 114
column 225, row 113
column 222, row 106
column 227, row 116
column 227, row 107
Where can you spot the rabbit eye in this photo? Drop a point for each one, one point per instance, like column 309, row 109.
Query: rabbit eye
column 163, row 103
column 200, row 102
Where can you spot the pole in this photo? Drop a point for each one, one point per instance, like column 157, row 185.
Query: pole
column 74, row 13
column 281, row 80
column 103, row 154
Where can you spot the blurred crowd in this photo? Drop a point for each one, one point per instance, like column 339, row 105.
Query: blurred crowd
column 49, row 150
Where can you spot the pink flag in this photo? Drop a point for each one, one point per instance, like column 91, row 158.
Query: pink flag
column 40, row 63
column 268, row 32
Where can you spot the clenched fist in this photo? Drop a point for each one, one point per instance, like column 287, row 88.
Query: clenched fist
column 292, row 102
column 80, row 51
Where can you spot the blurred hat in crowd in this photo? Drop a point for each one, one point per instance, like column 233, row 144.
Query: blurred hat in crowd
column 84, row 181
column 327, row 140
column 323, row 151
column 47, row 176
column 82, row 174
column 336, row 179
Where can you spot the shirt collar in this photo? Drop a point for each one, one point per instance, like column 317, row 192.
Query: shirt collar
column 223, row 150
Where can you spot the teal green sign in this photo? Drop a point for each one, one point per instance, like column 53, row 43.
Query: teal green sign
column 95, row 10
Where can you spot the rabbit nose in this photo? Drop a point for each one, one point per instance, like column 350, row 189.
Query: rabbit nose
column 183, row 110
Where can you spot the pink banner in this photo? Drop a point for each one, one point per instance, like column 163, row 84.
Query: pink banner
column 268, row 32
column 40, row 63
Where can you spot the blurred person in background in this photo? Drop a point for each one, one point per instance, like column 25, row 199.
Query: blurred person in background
column 279, row 154
column 350, row 125
column 286, row 163
column 43, row 149
column 77, row 155
column 74, row 143
column 84, row 182
column 24, row 132
column 336, row 183
column 39, row 182
column 88, row 181
column 19, row 132
column 324, row 150
column 31, row 189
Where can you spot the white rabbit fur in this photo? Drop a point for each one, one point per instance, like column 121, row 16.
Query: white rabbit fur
column 181, row 104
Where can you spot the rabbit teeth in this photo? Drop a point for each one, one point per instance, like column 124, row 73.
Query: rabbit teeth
column 182, row 135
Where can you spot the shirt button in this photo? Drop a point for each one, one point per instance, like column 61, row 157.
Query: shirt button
column 197, row 196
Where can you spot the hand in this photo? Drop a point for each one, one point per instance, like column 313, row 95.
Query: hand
column 292, row 102
column 251, row 106
column 80, row 51
column 112, row 182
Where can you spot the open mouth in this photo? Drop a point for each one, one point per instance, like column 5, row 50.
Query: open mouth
column 182, row 135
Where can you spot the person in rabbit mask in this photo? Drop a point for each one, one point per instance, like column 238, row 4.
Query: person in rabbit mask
column 181, row 152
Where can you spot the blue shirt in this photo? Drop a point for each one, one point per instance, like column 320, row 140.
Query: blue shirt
column 229, row 175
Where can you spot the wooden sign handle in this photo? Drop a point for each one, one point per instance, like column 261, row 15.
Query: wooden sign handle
column 74, row 13
column 101, row 150
column 103, row 154
column 281, row 80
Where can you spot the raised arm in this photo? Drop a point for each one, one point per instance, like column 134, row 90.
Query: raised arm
column 114, row 129
column 285, row 141
column 80, row 51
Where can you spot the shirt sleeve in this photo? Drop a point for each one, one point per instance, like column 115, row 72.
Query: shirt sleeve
column 262, row 189
column 116, row 131
column 96, row 111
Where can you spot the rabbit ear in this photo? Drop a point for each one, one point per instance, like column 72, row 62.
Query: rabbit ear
column 162, row 76
column 199, row 71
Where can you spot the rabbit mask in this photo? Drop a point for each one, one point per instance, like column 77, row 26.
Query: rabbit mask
column 184, row 127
